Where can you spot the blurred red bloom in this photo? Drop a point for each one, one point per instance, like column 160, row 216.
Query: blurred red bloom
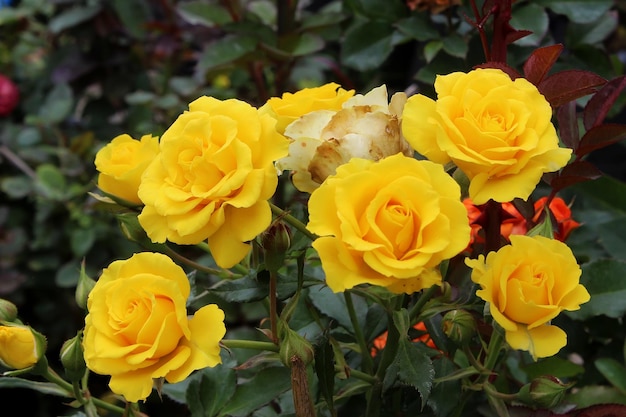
column 380, row 342
column 562, row 215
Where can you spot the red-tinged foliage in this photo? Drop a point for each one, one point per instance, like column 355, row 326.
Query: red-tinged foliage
column 567, row 119
column 599, row 105
column 598, row 410
column 568, row 85
column 540, row 62
column 574, row 173
column 561, row 217
column 600, row 136
column 9, row 95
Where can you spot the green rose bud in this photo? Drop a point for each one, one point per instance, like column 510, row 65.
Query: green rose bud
column 83, row 288
column 73, row 359
column 8, row 310
column 294, row 347
column 543, row 392
column 459, row 326
column 275, row 242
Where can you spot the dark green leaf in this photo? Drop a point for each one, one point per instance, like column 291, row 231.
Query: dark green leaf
column 50, row 182
column 47, row 388
column 592, row 33
column 580, row 11
column 67, row 276
column 612, row 237
column 431, row 49
column 418, row 27
column 555, row 366
column 81, row 240
column 596, row 394
column 367, row 45
column 301, row 44
column 201, row 13
column 325, row 370
column 209, row 392
column 455, row 45
column 606, row 193
column 225, row 51
column 439, row 399
column 412, row 366
column 134, row 15
column 530, row 17
column 57, row 104
column 334, row 305
column 605, row 281
column 613, row 371
column 16, row 187
column 240, row 290
column 72, row 17
column 264, row 387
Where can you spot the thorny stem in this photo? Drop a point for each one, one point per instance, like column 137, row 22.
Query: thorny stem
column 368, row 364
column 297, row 224
column 273, row 310
column 249, row 344
column 493, row 212
column 419, row 304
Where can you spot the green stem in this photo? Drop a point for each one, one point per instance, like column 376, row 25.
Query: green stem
column 493, row 350
column 297, row 224
column 249, row 344
column 180, row 258
column 273, row 307
column 52, row 376
column 358, row 374
column 368, row 364
column 419, row 304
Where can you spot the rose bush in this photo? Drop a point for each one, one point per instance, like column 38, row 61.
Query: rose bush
column 137, row 327
column 121, row 163
column 18, row 346
column 388, row 223
column 367, row 126
column 212, row 178
column 527, row 284
column 498, row 131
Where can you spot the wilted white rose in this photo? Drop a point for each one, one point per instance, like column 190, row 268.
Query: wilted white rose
column 368, row 126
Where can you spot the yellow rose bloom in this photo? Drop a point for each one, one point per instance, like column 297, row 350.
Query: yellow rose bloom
column 122, row 162
column 367, row 126
column 137, row 327
column 212, row 178
column 18, row 346
column 498, row 131
column 388, row 223
column 527, row 284
column 290, row 106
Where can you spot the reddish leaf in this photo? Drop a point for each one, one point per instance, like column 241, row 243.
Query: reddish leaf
column 600, row 136
column 516, row 35
column 568, row 125
column 501, row 66
column 602, row 101
column 540, row 61
column 600, row 410
column 569, row 85
column 579, row 171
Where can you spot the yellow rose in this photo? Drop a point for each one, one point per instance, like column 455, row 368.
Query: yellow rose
column 388, row 223
column 137, row 328
column 291, row 106
column 367, row 127
column 212, row 178
column 498, row 131
column 527, row 284
column 122, row 162
column 18, row 346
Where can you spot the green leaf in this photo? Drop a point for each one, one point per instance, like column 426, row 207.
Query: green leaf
column 225, row 51
column 67, row 275
column 81, row 240
column 558, row 367
column 325, row 370
column 613, row 371
column 240, row 290
column 595, row 394
column 72, row 17
column 418, row 27
column 200, row 13
column 134, row 14
column 259, row 390
column 579, row 11
column 50, row 182
column 612, row 237
column 28, row 136
column 57, row 105
column 333, row 305
column 604, row 193
column 592, row 33
column 530, row 17
column 44, row 387
column 207, row 394
column 455, row 45
column 302, row 44
column 605, row 280
column 367, row 45
column 413, row 367
column 16, row 187
column 439, row 399
column 431, row 49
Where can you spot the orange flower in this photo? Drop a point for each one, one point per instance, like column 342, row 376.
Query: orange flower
column 435, row 6
column 380, row 342
column 562, row 214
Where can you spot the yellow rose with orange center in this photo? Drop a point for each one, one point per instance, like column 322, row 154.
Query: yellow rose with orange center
column 137, row 328
column 122, row 162
column 212, row 178
column 498, row 131
column 388, row 223
column 527, row 284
